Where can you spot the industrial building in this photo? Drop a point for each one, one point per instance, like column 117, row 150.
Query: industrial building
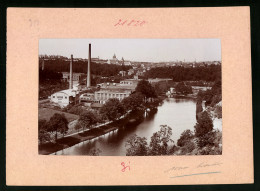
column 64, row 97
column 103, row 95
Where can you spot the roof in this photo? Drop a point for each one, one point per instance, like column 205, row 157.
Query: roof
column 114, row 90
column 69, row 92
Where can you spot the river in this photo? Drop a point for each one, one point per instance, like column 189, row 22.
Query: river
column 179, row 114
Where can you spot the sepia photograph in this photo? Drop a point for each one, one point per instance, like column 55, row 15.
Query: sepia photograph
column 130, row 97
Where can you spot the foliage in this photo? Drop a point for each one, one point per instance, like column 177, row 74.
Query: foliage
column 218, row 111
column 186, row 136
column 95, row 152
column 77, row 127
column 182, row 88
column 58, row 123
column 162, row 87
column 180, row 73
column 133, row 102
column 213, row 95
column 45, row 75
column 146, row 89
column 137, row 146
column 48, row 87
column 112, row 109
column 86, row 119
column 188, row 147
column 159, row 144
column 43, row 135
column 160, row 141
column 199, row 108
column 80, row 66
column 76, row 109
column 207, row 139
column 204, row 124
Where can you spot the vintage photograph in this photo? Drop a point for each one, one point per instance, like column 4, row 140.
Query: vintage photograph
column 130, row 97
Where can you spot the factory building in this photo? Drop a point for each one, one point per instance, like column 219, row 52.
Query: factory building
column 129, row 82
column 103, row 95
column 64, row 97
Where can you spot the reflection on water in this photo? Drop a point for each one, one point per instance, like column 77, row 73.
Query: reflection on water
column 179, row 114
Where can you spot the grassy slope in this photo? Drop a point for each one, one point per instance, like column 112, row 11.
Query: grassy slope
column 46, row 113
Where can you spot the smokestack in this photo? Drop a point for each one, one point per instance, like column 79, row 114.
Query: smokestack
column 89, row 61
column 43, row 64
column 70, row 87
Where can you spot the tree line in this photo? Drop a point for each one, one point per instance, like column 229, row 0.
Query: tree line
column 180, row 73
column 79, row 66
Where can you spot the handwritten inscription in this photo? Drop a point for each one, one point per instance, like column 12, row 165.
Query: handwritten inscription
column 125, row 167
column 129, row 23
column 175, row 168
column 201, row 165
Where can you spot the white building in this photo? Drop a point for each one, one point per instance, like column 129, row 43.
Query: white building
column 64, row 97
column 103, row 95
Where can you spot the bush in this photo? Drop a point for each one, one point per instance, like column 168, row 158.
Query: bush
column 216, row 99
column 204, row 124
column 186, row 136
column 213, row 138
column 218, row 111
column 77, row 110
column 188, row 147
column 182, row 88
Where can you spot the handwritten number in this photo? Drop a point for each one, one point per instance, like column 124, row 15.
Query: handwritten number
column 125, row 167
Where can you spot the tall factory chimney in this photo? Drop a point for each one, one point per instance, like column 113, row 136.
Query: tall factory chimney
column 43, row 64
column 71, row 77
column 89, row 61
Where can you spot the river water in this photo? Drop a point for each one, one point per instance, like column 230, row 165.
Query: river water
column 178, row 113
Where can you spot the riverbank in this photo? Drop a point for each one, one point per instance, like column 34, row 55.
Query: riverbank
column 87, row 135
column 63, row 143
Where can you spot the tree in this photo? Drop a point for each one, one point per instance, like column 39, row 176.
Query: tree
column 133, row 102
column 58, row 123
column 86, row 119
column 43, row 135
column 146, row 89
column 112, row 109
column 204, row 124
column 185, row 137
column 160, row 141
column 77, row 127
column 137, row 146
column 95, row 152
column 199, row 108
column 182, row 88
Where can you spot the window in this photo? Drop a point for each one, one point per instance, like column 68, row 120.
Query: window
column 65, row 97
column 53, row 96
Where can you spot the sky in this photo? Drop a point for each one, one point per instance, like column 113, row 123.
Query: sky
column 146, row 50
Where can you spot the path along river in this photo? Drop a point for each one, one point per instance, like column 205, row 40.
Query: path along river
column 178, row 113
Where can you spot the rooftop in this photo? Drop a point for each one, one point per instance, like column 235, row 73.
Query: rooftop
column 69, row 92
column 114, row 90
